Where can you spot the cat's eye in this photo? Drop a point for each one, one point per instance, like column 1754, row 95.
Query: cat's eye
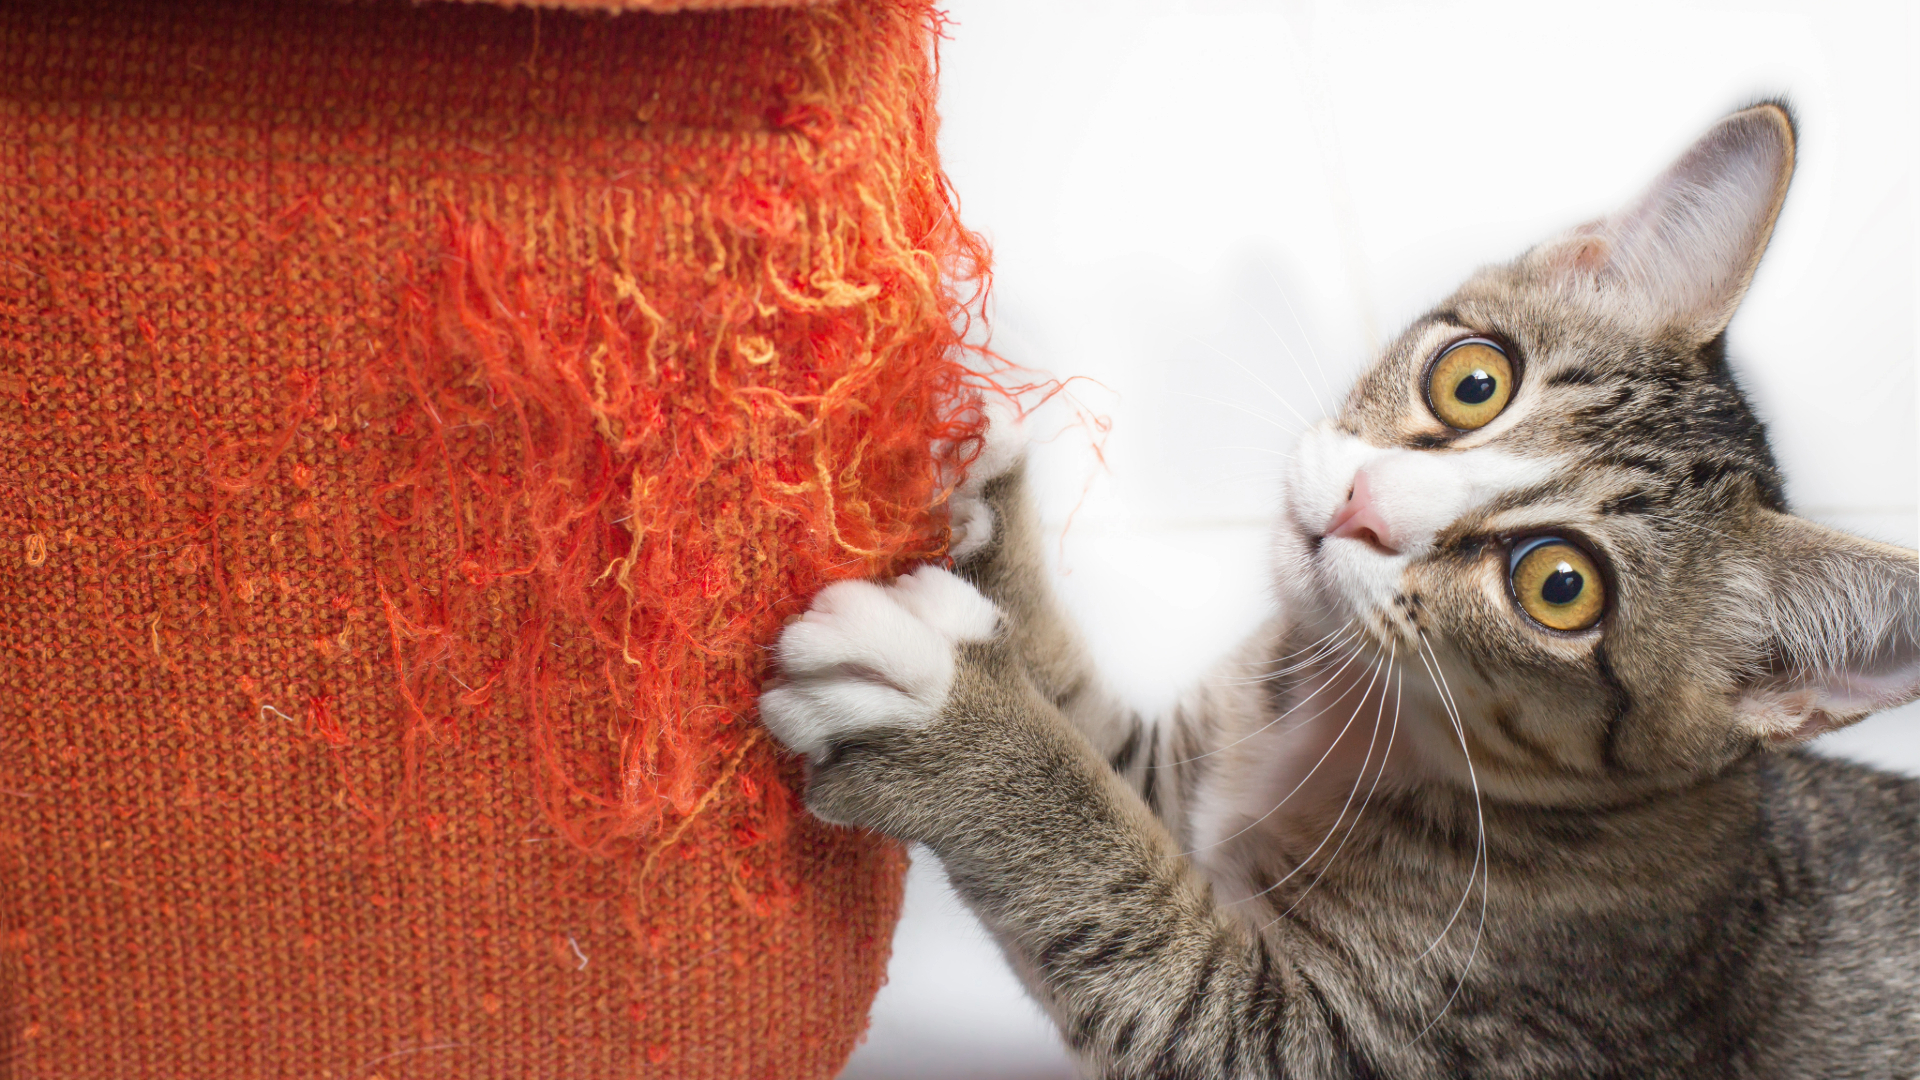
column 1470, row 383
column 1557, row 584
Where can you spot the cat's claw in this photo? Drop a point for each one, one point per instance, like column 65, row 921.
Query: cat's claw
column 970, row 516
column 870, row 657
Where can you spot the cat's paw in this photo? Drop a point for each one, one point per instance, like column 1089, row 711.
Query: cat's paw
column 870, row 657
column 970, row 515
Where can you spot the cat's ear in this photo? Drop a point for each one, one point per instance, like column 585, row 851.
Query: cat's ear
column 1839, row 619
column 1682, row 254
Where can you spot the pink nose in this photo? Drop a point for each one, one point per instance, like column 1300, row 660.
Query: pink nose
column 1361, row 520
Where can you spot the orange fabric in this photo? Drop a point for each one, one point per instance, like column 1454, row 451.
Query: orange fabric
column 414, row 420
column 647, row 5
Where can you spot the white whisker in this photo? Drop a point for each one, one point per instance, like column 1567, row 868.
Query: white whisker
column 1387, row 752
column 1359, row 776
column 1305, row 338
column 1291, row 355
column 1304, row 699
column 1318, row 648
column 1349, row 657
column 1240, row 408
column 1480, row 859
column 1263, row 480
column 1459, row 732
column 1257, row 450
column 1304, row 648
column 1346, row 639
column 1263, row 383
column 1376, row 669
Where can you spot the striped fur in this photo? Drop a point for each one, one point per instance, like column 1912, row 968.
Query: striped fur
column 1406, row 832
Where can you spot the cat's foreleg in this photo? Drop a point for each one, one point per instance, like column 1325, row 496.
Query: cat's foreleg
column 919, row 719
column 998, row 547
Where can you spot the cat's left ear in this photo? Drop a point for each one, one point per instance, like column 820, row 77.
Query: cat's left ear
column 1840, row 622
column 1683, row 254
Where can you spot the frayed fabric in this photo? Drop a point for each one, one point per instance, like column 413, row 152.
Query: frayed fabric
column 415, row 423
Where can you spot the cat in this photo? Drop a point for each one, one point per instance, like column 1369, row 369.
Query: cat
column 1509, row 786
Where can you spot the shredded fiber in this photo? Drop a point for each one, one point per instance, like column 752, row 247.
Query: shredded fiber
column 414, row 423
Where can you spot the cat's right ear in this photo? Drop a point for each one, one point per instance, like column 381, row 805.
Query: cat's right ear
column 1680, row 257
column 1838, row 619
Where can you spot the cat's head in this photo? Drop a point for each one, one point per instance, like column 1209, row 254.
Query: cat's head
column 1552, row 487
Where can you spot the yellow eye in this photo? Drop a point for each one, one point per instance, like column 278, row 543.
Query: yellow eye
column 1558, row 585
column 1469, row 384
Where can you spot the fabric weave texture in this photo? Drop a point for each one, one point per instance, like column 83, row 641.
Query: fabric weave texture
column 414, row 422
column 645, row 5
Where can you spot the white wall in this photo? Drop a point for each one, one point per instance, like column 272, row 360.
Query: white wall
column 1216, row 209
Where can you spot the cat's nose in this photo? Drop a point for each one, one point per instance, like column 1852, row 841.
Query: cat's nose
column 1361, row 520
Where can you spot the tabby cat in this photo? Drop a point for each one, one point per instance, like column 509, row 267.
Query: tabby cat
column 1510, row 784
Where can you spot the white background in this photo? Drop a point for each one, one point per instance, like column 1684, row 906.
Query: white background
column 1216, row 210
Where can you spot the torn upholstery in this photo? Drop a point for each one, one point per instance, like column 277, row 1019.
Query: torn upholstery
column 414, row 420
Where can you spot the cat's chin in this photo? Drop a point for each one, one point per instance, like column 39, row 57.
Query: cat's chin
column 1360, row 579
column 1335, row 579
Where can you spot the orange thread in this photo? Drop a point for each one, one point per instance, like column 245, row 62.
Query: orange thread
column 433, row 462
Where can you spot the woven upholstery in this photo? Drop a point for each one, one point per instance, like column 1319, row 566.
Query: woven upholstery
column 414, row 420
column 645, row 5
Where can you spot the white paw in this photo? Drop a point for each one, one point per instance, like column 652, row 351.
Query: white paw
column 869, row 656
column 970, row 518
